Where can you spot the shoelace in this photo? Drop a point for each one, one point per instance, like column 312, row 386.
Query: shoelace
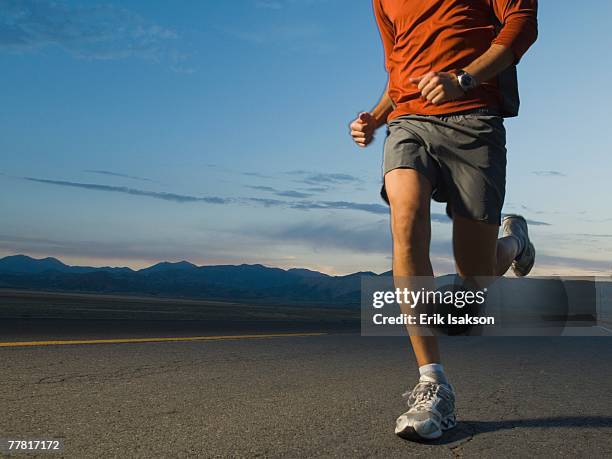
column 422, row 395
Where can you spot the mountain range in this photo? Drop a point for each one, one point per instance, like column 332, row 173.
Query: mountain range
column 252, row 283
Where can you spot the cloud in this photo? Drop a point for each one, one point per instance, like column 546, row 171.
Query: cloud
column 285, row 194
column 256, row 174
column 322, row 178
column 293, row 194
column 262, row 188
column 93, row 31
column 549, row 174
column 132, row 191
column 266, row 202
column 317, row 189
column 117, row 174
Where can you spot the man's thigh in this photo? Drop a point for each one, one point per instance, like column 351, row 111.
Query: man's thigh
column 474, row 247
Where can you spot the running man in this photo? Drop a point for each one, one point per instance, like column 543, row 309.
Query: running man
column 444, row 108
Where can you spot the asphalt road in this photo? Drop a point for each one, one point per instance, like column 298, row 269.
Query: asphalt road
column 331, row 395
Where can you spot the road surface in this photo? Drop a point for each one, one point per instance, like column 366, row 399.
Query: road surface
column 326, row 395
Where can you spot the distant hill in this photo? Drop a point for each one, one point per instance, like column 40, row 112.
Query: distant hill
column 253, row 283
column 167, row 266
column 27, row 265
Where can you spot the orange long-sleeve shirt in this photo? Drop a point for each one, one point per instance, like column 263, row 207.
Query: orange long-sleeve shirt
column 446, row 35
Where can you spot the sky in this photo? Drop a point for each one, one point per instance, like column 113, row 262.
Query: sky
column 216, row 132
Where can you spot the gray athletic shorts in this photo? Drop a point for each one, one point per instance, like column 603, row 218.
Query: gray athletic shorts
column 462, row 155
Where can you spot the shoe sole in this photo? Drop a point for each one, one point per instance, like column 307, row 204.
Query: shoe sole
column 408, row 433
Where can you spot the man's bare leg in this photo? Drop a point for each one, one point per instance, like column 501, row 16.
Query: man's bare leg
column 431, row 402
column 409, row 195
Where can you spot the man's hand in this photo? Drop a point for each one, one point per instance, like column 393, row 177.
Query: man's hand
column 362, row 129
column 438, row 87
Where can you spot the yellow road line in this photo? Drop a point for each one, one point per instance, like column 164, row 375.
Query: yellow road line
column 152, row 340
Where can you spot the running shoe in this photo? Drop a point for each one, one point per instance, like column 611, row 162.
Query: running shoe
column 516, row 225
column 432, row 411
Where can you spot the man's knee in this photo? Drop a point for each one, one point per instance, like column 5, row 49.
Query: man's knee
column 409, row 195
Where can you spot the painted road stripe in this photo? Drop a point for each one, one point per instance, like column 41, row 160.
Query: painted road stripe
column 152, row 340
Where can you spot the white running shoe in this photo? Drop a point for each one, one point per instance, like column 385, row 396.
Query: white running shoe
column 432, row 411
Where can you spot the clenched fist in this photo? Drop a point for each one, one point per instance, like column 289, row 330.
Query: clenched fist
column 438, row 87
column 362, row 129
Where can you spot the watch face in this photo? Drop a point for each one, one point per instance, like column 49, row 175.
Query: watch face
column 466, row 80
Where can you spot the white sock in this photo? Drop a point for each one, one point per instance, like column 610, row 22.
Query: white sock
column 436, row 370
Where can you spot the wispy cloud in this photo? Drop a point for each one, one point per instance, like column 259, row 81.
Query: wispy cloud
column 118, row 174
column 182, row 198
column 262, row 188
column 549, row 174
column 96, row 31
column 324, row 178
column 281, row 193
column 256, row 174
column 317, row 189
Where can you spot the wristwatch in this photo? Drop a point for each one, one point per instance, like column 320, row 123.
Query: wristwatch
column 466, row 81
